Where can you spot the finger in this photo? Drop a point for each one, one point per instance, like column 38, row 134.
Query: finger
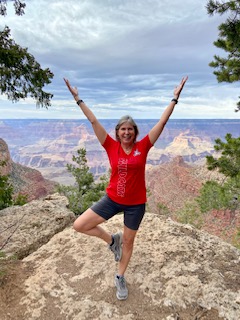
column 68, row 85
column 67, row 82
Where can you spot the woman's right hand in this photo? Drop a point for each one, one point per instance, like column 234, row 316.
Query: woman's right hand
column 73, row 90
column 178, row 89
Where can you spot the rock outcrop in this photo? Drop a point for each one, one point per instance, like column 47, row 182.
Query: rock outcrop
column 24, row 229
column 171, row 185
column 5, row 158
column 176, row 272
column 26, row 181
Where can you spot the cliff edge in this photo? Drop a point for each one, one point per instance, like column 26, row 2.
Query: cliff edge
column 26, row 181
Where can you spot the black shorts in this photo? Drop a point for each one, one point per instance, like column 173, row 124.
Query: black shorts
column 107, row 208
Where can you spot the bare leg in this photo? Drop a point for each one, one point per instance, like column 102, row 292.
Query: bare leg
column 88, row 223
column 127, row 249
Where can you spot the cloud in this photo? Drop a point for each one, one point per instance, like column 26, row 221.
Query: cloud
column 124, row 56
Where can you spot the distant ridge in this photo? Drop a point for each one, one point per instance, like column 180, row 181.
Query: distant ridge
column 49, row 144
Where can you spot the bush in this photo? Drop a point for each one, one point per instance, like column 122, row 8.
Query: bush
column 7, row 192
column 191, row 214
column 85, row 191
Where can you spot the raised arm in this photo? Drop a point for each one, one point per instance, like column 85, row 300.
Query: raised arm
column 97, row 127
column 158, row 128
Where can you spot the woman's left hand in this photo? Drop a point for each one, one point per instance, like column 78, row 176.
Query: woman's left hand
column 179, row 88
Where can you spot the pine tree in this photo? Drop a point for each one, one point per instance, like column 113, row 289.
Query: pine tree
column 227, row 68
column 6, row 190
column 20, row 74
column 225, row 195
column 85, row 191
column 7, row 196
column 229, row 161
column 19, row 7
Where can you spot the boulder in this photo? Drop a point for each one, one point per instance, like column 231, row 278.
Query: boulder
column 24, row 229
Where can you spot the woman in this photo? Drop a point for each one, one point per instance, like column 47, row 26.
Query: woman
column 126, row 190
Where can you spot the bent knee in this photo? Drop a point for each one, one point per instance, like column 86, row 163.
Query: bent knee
column 80, row 225
column 77, row 226
column 86, row 221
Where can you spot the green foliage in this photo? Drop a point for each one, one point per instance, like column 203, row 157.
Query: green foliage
column 85, row 191
column 236, row 239
column 229, row 162
column 20, row 199
column 227, row 68
column 18, row 5
column 2, row 254
column 7, row 191
column 190, row 214
column 214, row 195
column 83, row 177
column 162, row 209
column 21, row 75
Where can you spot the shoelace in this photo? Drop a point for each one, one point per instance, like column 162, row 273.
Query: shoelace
column 122, row 282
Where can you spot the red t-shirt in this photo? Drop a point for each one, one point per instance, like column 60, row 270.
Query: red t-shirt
column 127, row 181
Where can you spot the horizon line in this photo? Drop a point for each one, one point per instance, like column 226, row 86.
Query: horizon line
column 74, row 119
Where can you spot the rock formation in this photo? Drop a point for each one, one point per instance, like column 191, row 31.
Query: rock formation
column 176, row 272
column 24, row 229
column 171, row 184
column 5, row 157
column 26, row 181
column 50, row 144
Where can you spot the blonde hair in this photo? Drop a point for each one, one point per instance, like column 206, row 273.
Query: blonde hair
column 123, row 120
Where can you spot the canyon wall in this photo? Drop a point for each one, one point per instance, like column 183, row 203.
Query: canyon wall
column 48, row 145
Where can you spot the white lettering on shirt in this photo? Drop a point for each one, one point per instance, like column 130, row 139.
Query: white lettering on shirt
column 122, row 174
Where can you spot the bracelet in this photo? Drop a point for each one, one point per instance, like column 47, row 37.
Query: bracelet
column 79, row 101
column 175, row 100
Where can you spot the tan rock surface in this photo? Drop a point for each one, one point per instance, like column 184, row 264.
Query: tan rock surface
column 24, row 229
column 176, row 272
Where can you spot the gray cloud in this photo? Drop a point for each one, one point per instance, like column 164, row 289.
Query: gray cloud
column 129, row 54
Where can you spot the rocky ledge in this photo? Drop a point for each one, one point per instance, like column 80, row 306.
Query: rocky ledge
column 176, row 272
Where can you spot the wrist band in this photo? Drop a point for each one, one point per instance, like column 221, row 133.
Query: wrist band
column 79, row 101
column 175, row 100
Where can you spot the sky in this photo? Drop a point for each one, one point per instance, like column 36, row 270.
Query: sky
column 124, row 56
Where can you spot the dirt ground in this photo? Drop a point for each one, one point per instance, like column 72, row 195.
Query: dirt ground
column 12, row 278
column 11, row 292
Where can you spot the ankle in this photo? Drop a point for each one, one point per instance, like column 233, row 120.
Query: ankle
column 112, row 242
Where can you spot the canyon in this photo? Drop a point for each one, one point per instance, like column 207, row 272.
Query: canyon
column 48, row 145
